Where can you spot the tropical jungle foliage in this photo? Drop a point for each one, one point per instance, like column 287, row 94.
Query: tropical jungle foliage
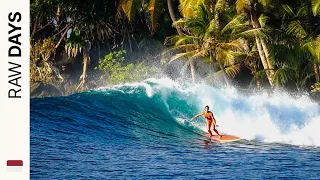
column 117, row 72
column 277, row 41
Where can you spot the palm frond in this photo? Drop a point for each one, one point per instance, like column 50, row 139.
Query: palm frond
column 197, row 27
column 199, row 23
column 251, row 33
column 305, row 78
column 179, row 23
column 316, row 7
column 181, row 55
column 242, row 5
column 187, row 46
column 237, row 21
column 188, row 7
column 220, row 5
column 104, row 30
column 295, row 28
column 313, row 47
column 282, row 76
column 212, row 26
column 169, row 41
column 235, row 44
column 288, row 9
column 303, row 10
column 289, row 56
column 225, row 56
column 233, row 71
column 198, row 53
column 263, row 20
column 178, row 40
column 185, row 39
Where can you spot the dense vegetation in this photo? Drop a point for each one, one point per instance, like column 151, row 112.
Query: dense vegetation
column 277, row 41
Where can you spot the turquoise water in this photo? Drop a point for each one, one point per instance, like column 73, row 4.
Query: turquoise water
column 143, row 131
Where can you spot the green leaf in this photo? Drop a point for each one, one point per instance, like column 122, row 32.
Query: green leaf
column 295, row 28
column 237, row 21
column 282, row 75
column 316, row 7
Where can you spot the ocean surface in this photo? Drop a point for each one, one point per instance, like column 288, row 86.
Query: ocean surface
column 143, row 131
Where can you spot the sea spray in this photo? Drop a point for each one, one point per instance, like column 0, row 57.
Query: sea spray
column 259, row 116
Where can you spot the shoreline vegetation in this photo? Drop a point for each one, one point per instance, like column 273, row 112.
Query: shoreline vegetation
column 78, row 45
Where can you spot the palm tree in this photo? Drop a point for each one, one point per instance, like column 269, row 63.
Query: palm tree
column 313, row 47
column 153, row 9
column 187, row 9
column 90, row 26
column 294, row 65
column 48, row 28
column 302, row 25
column 204, row 38
column 251, row 10
column 42, row 16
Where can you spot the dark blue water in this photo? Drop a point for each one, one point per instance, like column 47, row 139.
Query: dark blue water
column 142, row 131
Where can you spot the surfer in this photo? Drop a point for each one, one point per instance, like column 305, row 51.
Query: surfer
column 211, row 121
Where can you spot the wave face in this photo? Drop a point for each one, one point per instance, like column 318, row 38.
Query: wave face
column 163, row 107
column 153, row 117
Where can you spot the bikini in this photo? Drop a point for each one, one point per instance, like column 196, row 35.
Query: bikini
column 208, row 118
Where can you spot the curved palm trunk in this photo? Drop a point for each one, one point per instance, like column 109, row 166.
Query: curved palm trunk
column 173, row 18
column 86, row 60
column 267, row 54
column 263, row 59
column 263, row 53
